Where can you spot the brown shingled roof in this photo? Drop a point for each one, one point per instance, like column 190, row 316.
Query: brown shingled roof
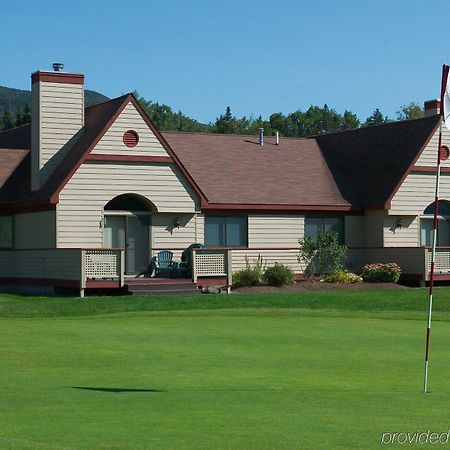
column 234, row 169
column 369, row 163
column 337, row 171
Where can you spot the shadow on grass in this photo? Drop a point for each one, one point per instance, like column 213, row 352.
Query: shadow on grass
column 118, row 390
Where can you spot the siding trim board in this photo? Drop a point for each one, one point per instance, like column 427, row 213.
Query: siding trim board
column 428, row 169
column 232, row 207
column 130, row 158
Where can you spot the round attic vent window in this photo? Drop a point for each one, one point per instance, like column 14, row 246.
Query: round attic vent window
column 130, row 138
column 444, row 154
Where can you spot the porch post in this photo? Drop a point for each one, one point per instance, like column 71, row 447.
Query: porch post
column 82, row 272
column 194, row 266
column 229, row 270
column 122, row 267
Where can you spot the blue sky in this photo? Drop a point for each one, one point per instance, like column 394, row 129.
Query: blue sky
column 258, row 57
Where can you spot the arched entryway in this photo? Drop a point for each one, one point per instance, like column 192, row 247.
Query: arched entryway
column 426, row 224
column 127, row 220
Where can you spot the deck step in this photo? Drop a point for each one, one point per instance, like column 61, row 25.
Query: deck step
column 166, row 292
column 161, row 286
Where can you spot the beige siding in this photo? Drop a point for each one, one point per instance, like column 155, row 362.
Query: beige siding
column 287, row 257
column 35, row 230
column 373, row 228
column 41, row 264
column 417, row 192
column 275, row 231
column 130, row 119
column 429, row 154
column 58, row 114
column 406, row 236
column 410, row 259
column 200, row 228
column 164, row 236
column 80, row 210
column 354, row 231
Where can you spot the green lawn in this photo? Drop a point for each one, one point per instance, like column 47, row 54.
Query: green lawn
column 288, row 371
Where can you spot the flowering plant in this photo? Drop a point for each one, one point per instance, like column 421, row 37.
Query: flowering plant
column 381, row 273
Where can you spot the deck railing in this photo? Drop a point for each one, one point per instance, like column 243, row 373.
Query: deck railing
column 212, row 263
column 65, row 267
column 414, row 261
column 442, row 261
column 102, row 263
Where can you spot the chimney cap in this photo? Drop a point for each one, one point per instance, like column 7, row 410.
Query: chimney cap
column 58, row 67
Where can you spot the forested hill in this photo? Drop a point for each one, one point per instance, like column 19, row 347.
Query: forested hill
column 16, row 99
column 15, row 105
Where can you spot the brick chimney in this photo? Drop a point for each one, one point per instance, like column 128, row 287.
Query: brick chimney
column 57, row 119
column 432, row 107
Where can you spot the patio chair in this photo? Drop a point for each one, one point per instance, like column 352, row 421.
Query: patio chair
column 185, row 266
column 164, row 265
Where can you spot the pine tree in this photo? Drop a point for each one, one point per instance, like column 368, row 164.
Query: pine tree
column 19, row 117
column 376, row 119
column 226, row 123
column 7, row 120
column 26, row 116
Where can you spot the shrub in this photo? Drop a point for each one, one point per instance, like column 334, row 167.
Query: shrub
column 323, row 256
column 342, row 276
column 381, row 273
column 278, row 275
column 251, row 275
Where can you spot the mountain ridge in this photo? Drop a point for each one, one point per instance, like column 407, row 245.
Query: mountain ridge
column 15, row 99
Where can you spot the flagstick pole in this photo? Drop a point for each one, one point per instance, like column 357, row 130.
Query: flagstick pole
column 433, row 257
column 445, row 70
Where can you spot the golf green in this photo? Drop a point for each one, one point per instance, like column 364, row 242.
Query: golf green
column 218, row 379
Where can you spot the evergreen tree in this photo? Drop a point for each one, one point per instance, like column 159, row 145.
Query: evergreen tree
column 7, row 120
column 19, row 117
column 376, row 119
column 26, row 115
column 349, row 121
column 226, row 123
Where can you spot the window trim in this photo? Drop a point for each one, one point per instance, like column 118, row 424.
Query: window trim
column 319, row 216
column 243, row 216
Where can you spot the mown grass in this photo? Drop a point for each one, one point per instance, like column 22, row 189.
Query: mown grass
column 407, row 300
column 316, row 370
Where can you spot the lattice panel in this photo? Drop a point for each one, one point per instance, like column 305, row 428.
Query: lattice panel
column 442, row 263
column 102, row 263
column 210, row 263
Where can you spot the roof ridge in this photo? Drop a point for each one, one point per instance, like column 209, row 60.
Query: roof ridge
column 122, row 97
column 15, row 128
column 386, row 124
column 206, row 133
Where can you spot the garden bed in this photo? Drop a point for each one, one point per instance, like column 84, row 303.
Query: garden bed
column 317, row 285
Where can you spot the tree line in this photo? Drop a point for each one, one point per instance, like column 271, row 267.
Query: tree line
column 22, row 117
column 314, row 121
